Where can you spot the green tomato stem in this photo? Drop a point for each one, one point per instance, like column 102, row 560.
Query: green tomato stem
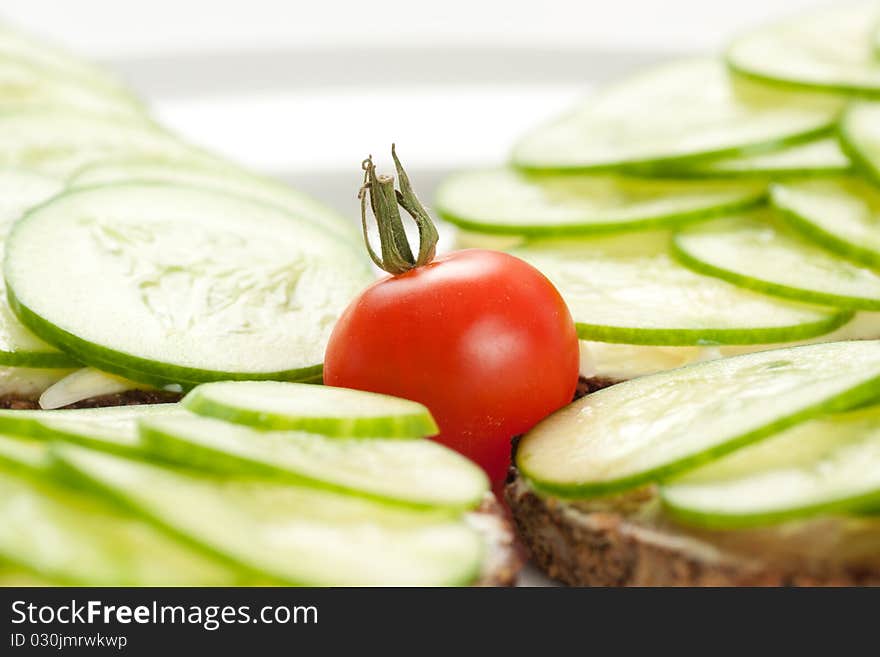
column 397, row 256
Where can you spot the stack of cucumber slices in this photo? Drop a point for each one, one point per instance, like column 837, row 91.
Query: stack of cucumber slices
column 751, row 440
column 707, row 207
column 139, row 262
column 241, row 483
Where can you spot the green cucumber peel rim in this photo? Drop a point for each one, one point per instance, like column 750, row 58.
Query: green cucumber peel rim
column 281, row 406
column 823, row 466
column 837, row 213
column 755, row 252
column 139, row 369
column 686, row 111
column 546, row 205
column 413, row 473
column 814, row 158
column 291, row 534
column 611, row 299
column 258, row 286
column 662, row 430
column 860, row 139
column 828, row 50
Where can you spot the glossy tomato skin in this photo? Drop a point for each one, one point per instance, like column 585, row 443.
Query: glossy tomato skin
column 480, row 337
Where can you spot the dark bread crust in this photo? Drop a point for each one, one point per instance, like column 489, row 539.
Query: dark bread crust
column 586, row 386
column 617, row 544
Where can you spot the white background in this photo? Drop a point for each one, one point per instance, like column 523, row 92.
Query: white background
column 109, row 28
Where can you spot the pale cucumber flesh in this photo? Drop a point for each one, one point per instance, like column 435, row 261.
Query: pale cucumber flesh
column 828, row 465
column 674, row 113
column 20, row 190
column 24, row 86
column 629, row 289
column 59, row 143
column 657, row 426
column 294, row 534
column 27, row 383
column 509, row 202
column 273, row 405
column 179, row 285
column 841, row 214
column 419, row 473
column 241, row 183
column 70, row 536
column 826, row 50
column 758, row 252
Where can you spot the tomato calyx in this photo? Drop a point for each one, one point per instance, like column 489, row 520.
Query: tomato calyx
column 396, row 255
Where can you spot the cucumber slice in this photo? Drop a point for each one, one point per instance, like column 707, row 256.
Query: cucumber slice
column 506, row 201
column 24, row 86
column 841, row 214
column 656, row 426
column 828, row 465
column 611, row 361
column 860, row 137
column 419, row 473
column 824, row 50
column 58, row 143
column 57, row 62
column 757, row 252
column 20, row 190
column 177, row 285
column 240, row 183
column 113, row 429
column 12, row 575
column 296, row 534
column 23, row 456
column 65, row 535
column 814, row 158
column 628, row 289
column 678, row 112
column 317, row 409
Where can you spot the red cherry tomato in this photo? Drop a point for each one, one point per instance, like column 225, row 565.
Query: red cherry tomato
column 480, row 337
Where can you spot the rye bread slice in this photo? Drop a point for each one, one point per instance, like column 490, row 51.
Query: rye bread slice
column 627, row 540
